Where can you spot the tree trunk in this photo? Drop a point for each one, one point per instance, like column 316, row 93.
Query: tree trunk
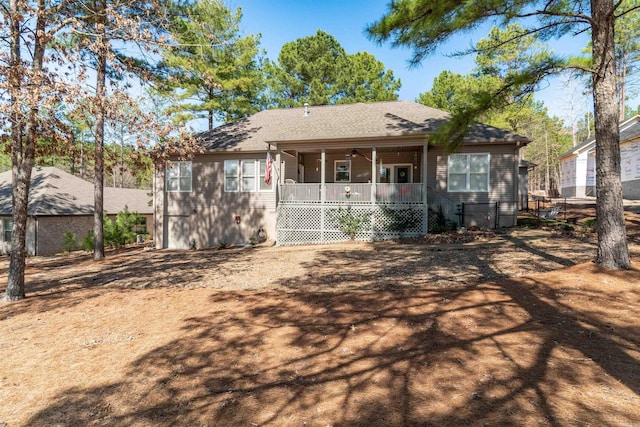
column 623, row 86
column 23, row 140
column 98, row 214
column 613, row 252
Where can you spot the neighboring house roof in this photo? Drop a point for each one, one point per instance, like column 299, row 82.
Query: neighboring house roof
column 56, row 192
column 339, row 122
column 629, row 130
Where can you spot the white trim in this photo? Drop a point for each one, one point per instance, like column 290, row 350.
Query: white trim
column 260, row 176
column 402, row 165
column 392, row 171
column 468, row 173
column 242, row 175
column 237, row 176
column 257, row 176
column 176, row 165
column 335, row 170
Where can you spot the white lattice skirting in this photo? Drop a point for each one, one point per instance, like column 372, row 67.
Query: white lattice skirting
column 303, row 224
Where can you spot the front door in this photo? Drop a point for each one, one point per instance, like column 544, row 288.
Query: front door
column 402, row 174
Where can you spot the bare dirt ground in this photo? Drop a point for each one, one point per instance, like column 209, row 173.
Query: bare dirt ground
column 482, row 329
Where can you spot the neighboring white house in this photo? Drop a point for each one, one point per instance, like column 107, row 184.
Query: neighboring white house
column 579, row 164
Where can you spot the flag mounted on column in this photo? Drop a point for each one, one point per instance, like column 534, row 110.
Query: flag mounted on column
column 267, row 171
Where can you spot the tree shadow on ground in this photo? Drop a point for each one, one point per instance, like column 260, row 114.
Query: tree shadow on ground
column 384, row 345
column 125, row 268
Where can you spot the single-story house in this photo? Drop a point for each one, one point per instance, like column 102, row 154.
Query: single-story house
column 579, row 164
column 330, row 164
column 60, row 202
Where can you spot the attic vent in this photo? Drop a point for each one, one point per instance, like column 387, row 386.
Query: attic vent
column 306, row 109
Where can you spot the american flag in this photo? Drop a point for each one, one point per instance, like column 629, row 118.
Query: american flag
column 267, row 172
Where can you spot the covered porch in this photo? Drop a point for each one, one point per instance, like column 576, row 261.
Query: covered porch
column 354, row 175
column 321, row 189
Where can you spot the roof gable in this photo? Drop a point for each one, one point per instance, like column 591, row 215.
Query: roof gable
column 629, row 130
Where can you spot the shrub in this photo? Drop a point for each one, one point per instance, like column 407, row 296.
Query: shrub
column 350, row 222
column 589, row 225
column 437, row 221
column 87, row 242
column 123, row 230
column 401, row 220
column 69, row 241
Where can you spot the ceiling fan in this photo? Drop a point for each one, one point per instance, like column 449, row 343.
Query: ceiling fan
column 355, row 153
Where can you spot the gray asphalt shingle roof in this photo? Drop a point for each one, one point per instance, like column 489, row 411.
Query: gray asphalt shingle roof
column 339, row 122
column 56, row 192
column 630, row 130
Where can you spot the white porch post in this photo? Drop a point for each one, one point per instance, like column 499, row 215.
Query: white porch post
column 323, row 191
column 373, row 191
column 374, row 178
column 425, row 191
column 278, row 175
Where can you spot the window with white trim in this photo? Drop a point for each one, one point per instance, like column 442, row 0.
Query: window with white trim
column 179, row 176
column 231, row 175
column 248, row 175
column 245, row 175
column 342, row 171
column 7, row 227
column 262, row 170
column 468, row 172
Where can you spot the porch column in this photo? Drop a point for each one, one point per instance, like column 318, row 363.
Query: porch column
column 323, row 175
column 323, row 192
column 425, row 191
column 373, row 174
column 277, row 165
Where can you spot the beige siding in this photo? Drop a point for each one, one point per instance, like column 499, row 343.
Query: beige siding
column 503, row 181
column 208, row 212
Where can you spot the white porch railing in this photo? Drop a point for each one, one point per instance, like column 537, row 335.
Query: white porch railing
column 351, row 192
column 399, row 193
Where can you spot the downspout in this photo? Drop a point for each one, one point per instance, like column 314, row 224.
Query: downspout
column 35, row 237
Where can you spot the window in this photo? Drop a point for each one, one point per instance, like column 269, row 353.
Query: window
column 179, row 177
column 248, row 175
column 342, row 171
column 7, row 226
column 262, row 170
column 245, row 175
column 468, row 172
column 231, row 175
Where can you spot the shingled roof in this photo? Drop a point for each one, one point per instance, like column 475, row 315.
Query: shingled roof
column 56, row 192
column 339, row 122
column 629, row 130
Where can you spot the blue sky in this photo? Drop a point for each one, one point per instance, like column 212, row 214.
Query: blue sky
column 281, row 21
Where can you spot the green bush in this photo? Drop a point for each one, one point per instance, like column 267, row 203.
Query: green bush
column 438, row 222
column 350, row 222
column 87, row 242
column 69, row 242
column 123, row 230
column 590, row 225
column 401, row 220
